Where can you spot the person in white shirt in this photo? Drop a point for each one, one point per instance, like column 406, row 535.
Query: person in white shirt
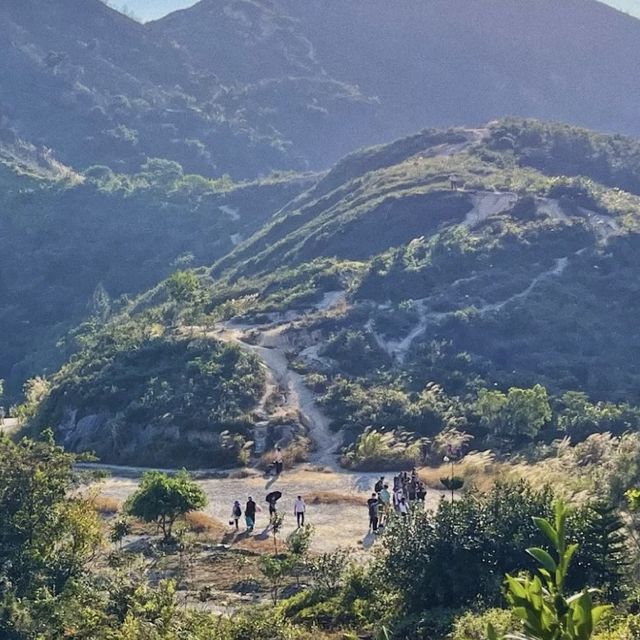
column 299, row 509
column 403, row 508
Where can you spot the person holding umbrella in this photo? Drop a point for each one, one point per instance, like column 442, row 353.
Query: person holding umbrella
column 271, row 499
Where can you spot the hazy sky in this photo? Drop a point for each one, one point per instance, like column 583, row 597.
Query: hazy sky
column 151, row 9
column 630, row 6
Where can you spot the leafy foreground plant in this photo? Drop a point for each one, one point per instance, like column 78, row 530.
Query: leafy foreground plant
column 540, row 602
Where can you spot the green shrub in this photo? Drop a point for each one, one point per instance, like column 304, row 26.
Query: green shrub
column 473, row 626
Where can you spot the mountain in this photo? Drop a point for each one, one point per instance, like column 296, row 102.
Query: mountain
column 100, row 88
column 246, row 87
column 73, row 244
column 448, row 278
column 420, row 63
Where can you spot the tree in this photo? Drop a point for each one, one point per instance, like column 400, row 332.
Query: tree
column 35, row 392
column 275, row 569
column 328, row 570
column 184, row 287
column 298, row 544
column 163, row 499
column 547, row 613
column 517, row 415
column 462, row 551
column 605, row 546
column 162, row 173
column 46, row 536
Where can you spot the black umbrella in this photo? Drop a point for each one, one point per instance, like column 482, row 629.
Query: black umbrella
column 274, row 496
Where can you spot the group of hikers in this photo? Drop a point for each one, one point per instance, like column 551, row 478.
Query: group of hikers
column 408, row 493
column 252, row 508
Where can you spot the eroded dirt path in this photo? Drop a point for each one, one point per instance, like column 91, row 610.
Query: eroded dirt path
column 270, row 344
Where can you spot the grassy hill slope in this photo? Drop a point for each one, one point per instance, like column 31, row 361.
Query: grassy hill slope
column 71, row 244
column 503, row 307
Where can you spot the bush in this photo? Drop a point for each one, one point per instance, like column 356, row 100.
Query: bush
column 473, row 626
column 461, row 552
column 380, row 451
column 163, row 499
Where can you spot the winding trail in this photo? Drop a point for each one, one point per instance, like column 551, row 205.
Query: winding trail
column 271, row 348
column 399, row 349
column 271, row 345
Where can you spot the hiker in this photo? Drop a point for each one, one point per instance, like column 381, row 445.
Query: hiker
column 398, row 494
column 384, row 499
column 372, row 503
column 379, row 485
column 236, row 512
column 421, row 494
column 299, row 508
column 278, row 461
column 273, row 509
column 403, row 507
column 2, row 416
column 250, row 514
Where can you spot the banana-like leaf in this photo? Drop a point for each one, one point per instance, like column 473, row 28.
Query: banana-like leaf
column 548, row 530
column 544, row 558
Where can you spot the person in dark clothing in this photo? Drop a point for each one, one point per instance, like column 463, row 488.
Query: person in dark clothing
column 278, row 461
column 250, row 514
column 421, row 494
column 373, row 505
column 379, row 485
column 236, row 512
column 273, row 509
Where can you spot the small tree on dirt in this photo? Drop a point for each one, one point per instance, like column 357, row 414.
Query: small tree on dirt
column 298, row 543
column 163, row 499
column 275, row 569
column 119, row 530
column 329, row 569
column 276, row 526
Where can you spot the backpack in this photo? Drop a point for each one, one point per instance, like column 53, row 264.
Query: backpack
column 237, row 511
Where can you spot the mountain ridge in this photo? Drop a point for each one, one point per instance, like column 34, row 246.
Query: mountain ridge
column 247, row 88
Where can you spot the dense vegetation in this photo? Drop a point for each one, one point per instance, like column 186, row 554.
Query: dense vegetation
column 71, row 245
column 504, row 309
column 436, row 574
column 164, row 399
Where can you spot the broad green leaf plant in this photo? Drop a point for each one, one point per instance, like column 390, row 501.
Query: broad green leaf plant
column 546, row 611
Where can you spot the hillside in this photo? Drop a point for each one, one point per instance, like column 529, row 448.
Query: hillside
column 73, row 244
column 434, row 63
column 383, row 298
column 100, row 88
column 247, row 87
